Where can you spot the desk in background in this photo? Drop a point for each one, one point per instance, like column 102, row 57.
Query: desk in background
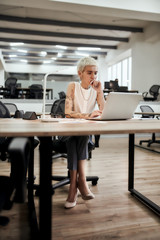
column 147, row 113
column 24, row 92
column 71, row 127
column 128, row 91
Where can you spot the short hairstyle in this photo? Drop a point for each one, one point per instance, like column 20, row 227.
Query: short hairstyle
column 83, row 62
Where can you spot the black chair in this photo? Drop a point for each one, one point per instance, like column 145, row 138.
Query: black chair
column 11, row 107
column 153, row 91
column 36, row 91
column 4, row 141
column 60, row 150
column 148, row 109
column 48, row 107
column 15, row 184
column 11, row 88
column 62, row 95
column 58, row 108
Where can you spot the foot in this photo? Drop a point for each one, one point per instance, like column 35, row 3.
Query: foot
column 72, row 198
column 88, row 196
column 85, row 191
column 70, row 204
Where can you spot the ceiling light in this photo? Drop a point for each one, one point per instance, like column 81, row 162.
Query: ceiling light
column 46, row 61
column 88, row 48
column 53, row 58
column 22, row 50
column 60, row 46
column 43, row 53
column 16, row 44
column 23, row 60
column 12, row 55
column 81, row 54
column 59, row 55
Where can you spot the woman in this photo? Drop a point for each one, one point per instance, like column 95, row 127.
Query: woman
column 80, row 102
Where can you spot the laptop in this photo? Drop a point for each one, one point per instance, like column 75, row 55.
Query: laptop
column 120, row 106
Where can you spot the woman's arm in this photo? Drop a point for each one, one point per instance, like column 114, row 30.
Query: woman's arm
column 69, row 104
column 100, row 97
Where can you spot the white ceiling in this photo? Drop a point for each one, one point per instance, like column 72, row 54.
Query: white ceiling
column 42, row 25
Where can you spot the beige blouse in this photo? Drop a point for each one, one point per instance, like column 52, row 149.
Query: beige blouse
column 84, row 99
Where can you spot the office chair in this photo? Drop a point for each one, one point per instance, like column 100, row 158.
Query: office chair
column 153, row 91
column 60, row 150
column 58, row 108
column 36, row 91
column 15, row 184
column 11, row 107
column 146, row 108
column 11, row 88
column 48, row 107
column 62, row 95
column 4, row 141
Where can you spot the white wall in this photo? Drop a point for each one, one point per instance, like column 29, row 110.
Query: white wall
column 102, row 72
column 145, row 51
column 1, row 74
column 145, row 65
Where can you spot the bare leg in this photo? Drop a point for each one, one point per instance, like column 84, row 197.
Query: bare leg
column 82, row 184
column 73, row 186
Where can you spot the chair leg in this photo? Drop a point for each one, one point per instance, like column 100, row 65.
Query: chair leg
column 150, row 141
column 93, row 179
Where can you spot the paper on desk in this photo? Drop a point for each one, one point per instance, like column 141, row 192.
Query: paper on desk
column 63, row 120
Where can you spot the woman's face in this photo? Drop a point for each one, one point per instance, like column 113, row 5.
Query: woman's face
column 89, row 74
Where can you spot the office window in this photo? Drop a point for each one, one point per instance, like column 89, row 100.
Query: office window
column 122, row 71
column 119, row 73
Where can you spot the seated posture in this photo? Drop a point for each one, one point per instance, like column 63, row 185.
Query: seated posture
column 80, row 102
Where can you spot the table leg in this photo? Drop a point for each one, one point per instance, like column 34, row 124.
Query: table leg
column 45, row 206
column 31, row 205
column 146, row 201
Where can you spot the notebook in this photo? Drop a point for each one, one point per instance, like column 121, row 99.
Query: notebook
column 120, row 106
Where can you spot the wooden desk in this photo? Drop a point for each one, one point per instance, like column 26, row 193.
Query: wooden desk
column 45, row 131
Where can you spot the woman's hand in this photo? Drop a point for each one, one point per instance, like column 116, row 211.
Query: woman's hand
column 96, row 85
column 95, row 113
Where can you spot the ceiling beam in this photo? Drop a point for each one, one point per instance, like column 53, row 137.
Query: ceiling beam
column 52, row 51
column 40, row 63
column 69, row 44
column 68, row 23
column 60, row 34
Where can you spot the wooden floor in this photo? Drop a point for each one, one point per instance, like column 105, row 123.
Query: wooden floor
column 114, row 213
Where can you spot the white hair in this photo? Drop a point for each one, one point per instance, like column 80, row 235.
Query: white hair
column 83, row 62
